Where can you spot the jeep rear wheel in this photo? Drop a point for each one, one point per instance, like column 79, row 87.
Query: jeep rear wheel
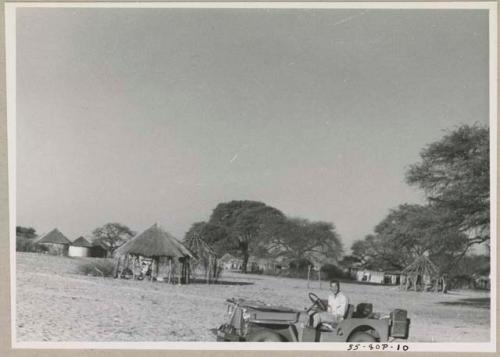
column 264, row 336
column 361, row 337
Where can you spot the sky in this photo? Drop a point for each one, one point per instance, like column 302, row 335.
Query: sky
column 157, row 115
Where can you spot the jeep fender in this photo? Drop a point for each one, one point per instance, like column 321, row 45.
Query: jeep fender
column 350, row 326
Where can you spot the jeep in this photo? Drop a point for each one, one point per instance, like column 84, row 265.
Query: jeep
column 255, row 321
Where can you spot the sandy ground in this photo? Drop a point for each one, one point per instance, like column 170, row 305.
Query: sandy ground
column 54, row 303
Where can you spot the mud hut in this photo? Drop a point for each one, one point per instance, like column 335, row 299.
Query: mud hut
column 54, row 243
column 80, row 248
column 154, row 254
column 422, row 275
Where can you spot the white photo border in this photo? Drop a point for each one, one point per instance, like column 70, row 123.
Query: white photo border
column 10, row 46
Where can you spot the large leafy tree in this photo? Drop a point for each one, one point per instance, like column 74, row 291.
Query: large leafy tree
column 247, row 223
column 112, row 235
column 454, row 173
column 407, row 233
column 297, row 239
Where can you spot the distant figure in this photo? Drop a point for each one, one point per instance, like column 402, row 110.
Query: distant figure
column 337, row 306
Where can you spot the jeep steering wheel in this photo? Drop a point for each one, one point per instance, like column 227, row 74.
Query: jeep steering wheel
column 316, row 301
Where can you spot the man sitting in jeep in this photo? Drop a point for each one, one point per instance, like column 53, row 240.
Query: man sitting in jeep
column 336, row 308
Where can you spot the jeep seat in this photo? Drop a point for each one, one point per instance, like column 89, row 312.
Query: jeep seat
column 349, row 311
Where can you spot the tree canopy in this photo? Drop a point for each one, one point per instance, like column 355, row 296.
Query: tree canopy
column 247, row 223
column 406, row 233
column 112, row 235
column 297, row 239
column 454, row 173
column 26, row 232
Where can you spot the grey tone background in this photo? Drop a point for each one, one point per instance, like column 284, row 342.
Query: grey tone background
column 156, row 115
column 5, row 268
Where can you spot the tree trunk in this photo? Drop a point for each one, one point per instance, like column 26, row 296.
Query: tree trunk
column 245, row 261
column 116, row 271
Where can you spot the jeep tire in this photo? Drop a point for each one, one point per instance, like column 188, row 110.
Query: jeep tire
column 361, row 337
column 264, row 335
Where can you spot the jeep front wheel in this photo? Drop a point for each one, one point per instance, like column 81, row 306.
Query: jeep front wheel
column 361, row 337
column 264, row 336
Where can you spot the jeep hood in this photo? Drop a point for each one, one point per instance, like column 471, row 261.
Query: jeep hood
column 260, row 306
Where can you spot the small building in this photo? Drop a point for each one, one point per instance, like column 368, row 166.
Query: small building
column 261, row 265
column 54, row 243
column 392, row 277
column 80, row 248
column 230, row 262
column 375, row 276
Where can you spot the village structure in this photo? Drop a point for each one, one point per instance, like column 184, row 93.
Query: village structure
column 56, row 243
column 157, row 255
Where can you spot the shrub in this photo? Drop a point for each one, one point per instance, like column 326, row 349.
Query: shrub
column 25, row 245
column 97, row 267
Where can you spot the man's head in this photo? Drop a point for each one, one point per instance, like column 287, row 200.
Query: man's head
column 334, row 286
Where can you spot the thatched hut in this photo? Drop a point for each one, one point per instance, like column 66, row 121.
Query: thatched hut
column 80, row 248
column 422, row 275
column 204, row 257
column 156, row 254
column 54, row 243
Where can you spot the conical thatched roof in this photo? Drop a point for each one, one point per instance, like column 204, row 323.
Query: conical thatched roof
column 82, row 242
column 54, row 237
column 155, row 242
column 199, row 247
column 422, row 266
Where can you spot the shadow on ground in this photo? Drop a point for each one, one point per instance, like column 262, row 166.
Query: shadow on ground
column 482, row 303
column 220, row 282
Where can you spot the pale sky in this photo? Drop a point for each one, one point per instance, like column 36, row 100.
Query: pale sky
column 156, row 115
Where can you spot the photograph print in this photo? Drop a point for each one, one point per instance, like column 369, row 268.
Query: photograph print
column 226, row 174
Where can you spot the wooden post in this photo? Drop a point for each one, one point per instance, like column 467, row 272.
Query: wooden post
column 169, row 269
column 157, row 270
column 308, row 274
column 208, row 270
column 319, row 275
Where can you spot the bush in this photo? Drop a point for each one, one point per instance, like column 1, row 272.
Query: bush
column 97, row 267
column 25, row 245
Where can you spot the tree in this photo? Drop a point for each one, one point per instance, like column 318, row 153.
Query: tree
column 454, row 173
column 112, row 235
column 247, row 224
column 408, row 232
column 298, row 239
column 26, row 232
column 25, row 239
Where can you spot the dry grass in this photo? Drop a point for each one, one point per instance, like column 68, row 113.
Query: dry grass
column 54, row 303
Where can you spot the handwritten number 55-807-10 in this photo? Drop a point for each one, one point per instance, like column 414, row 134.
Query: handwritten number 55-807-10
column 377, row 347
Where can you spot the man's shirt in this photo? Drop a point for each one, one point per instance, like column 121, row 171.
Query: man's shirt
column 337, row 304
